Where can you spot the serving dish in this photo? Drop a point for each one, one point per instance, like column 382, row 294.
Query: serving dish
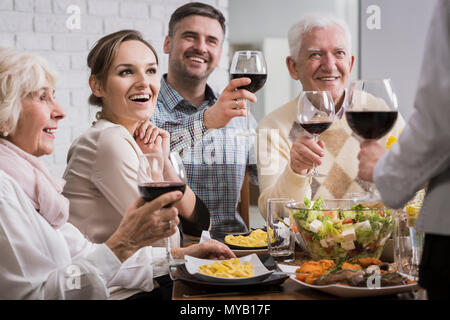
column 341, row 230
column 345, row 291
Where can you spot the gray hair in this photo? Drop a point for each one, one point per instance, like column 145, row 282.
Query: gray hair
column 21, row 74
column 308, row 23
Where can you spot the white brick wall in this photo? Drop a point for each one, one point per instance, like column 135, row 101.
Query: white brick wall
column 39, row 26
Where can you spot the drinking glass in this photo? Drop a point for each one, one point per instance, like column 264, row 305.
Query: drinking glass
column 315, row 113
column 408, row 245
column 249, row 64
column 371, row 112
column 160, row 173
column 280, row 234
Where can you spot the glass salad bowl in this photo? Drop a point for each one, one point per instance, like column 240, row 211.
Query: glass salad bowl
column 340, row 229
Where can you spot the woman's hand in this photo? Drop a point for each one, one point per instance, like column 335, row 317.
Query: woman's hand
column 210, row 249
column 144, row 223
column 152, row 139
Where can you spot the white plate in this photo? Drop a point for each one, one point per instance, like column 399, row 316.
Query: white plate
column 348, row 291
column 192, row 265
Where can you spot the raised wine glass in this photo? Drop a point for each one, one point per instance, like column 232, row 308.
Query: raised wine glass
column 315, row 113
column 371, row 112
column 249, row 64
column 160, row 173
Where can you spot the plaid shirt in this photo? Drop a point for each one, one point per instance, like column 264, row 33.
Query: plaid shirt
column 215, row 160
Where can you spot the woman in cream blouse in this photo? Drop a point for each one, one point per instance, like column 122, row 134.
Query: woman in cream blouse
column 102, row 167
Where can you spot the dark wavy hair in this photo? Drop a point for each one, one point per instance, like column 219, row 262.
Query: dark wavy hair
column 198, row 9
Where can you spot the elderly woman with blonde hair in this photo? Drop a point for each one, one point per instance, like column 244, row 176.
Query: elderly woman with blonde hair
column 42, row 255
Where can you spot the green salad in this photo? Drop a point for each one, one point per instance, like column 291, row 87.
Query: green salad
column 343, row 233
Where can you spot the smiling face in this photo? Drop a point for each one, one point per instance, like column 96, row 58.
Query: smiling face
column 324, row 62
column 37, row 122
column 195, row 48
column 132, row 85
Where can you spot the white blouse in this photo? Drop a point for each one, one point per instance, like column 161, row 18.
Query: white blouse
column 39, row 262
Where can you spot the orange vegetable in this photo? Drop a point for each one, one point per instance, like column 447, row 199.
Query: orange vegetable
column 366, row 262
column 329, row 213
column 349, row 266
column 347, row 220
column 301, row 276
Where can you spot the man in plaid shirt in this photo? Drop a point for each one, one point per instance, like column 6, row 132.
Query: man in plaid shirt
column 215, row 160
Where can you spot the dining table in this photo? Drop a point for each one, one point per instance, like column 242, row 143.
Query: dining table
column 286, row 290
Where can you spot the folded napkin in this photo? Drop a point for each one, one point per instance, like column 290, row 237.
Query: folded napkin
column 205, row 236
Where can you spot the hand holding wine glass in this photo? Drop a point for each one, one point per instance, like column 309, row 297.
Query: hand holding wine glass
column 371, row 112
column 315, row 113
column 160, row 173
column 249, row 64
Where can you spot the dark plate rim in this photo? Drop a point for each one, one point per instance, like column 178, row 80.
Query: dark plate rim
column 221, row 238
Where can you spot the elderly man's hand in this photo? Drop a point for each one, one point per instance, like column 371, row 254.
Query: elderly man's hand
column 368, row 156
column 210, row 249
column 230, row 104
column 304, row 153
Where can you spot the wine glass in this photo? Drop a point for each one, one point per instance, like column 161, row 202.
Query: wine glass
column 371, row 112
column 315, row 113
column 249, row 64
column 160, row 173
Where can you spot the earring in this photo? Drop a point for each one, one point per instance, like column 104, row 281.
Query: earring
column 98, row 115
column 5, row 134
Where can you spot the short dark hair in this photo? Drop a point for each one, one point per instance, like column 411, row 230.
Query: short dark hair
column 198, row 9
column 102, row 55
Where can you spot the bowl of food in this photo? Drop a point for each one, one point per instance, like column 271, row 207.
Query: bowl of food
column 341, row 229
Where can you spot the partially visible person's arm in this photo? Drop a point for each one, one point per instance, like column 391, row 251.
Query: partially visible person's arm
column 423, row 150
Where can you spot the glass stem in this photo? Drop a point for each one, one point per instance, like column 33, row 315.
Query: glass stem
column 247, row 118
column 313, row 170
column 372, row 190
column 168, row 248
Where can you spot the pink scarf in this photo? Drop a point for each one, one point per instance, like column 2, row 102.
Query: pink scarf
column 43, row 190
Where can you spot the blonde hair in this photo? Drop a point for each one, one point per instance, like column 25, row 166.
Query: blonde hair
column 307, row 24
column 102, row 56
column 21, row 74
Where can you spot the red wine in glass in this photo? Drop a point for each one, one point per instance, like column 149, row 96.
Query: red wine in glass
column 152, row 190
column 159, row 174
column 371, row 112
column 371, row 124
column 315, row 113
column 316, row 128
column 258, row 80
column 249, row 64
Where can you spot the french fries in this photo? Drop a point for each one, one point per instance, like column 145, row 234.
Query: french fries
column 232, row 268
